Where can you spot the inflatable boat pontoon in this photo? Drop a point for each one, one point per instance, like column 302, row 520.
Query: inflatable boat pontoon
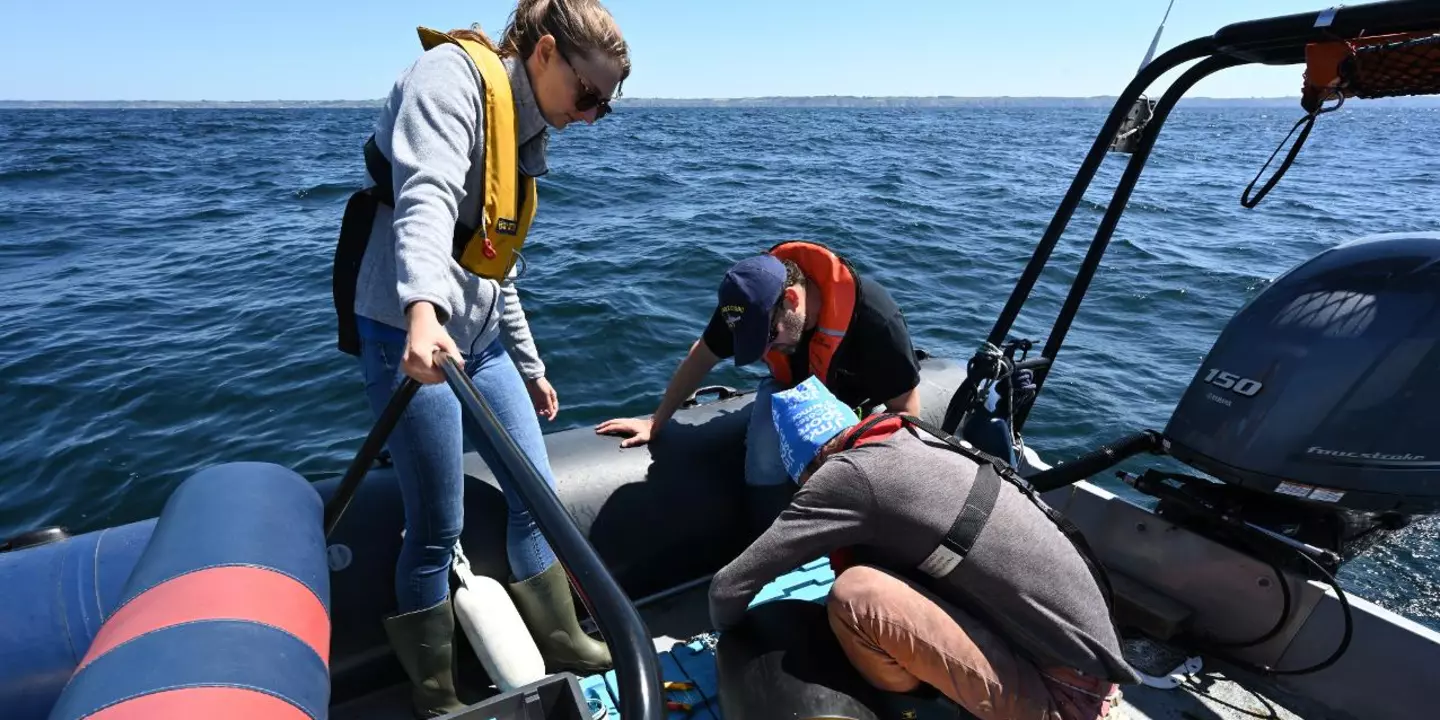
column 1304, row 439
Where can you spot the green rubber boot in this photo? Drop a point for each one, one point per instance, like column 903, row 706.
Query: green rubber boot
column 545, row 604
column 422, row 641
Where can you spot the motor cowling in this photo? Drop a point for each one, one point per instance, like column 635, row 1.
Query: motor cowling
column 1324, row 387
column 1317, row 404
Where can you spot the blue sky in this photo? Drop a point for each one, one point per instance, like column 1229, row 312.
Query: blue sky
column 317, row 50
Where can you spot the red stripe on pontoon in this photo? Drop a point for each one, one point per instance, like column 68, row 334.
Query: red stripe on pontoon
column 211, row 703
column 222, row 593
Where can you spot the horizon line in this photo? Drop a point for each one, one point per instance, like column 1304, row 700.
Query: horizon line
column 692, row 99
column 747, row 101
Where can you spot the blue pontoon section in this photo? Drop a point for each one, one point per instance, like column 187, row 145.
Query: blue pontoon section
column 226, row 614
column 53, row 599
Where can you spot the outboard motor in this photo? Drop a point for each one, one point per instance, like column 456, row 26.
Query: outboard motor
column 1318, row 404
column 1312, row 416
column 1315, row 411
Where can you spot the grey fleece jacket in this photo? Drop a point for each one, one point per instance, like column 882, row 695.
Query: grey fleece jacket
column 891, row 502
column 432, row 131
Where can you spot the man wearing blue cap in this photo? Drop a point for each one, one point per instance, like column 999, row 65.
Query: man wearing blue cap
column 955, row 578
column 807, row 313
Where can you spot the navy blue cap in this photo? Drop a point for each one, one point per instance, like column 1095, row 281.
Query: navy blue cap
column 747, row 295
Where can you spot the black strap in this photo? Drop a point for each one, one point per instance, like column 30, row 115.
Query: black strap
column 864, row 428
column 1000, row 470
column 379, row 168
column 960, row 446
column 974, row 512
column 380, row 171
column 1309, row 122
column 349, row 253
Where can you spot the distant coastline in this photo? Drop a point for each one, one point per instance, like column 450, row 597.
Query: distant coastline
column 819, row 101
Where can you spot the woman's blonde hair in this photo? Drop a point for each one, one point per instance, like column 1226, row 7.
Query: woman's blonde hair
column 582, row 26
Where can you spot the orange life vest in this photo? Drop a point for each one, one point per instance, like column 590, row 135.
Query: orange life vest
column 838, row 291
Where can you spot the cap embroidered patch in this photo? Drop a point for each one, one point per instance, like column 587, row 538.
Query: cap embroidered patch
column 732, row 315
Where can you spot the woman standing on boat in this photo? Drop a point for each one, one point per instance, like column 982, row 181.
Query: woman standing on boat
column 431, row 256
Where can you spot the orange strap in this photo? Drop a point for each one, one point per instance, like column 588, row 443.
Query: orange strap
column 1326, row 65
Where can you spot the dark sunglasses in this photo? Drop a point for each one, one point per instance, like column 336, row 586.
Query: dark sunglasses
column 587, row 97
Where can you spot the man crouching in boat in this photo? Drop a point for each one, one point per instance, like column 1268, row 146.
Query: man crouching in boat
column 1004, row 617
column 807, row 312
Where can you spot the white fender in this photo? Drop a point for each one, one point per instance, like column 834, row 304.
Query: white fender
column 495, row 629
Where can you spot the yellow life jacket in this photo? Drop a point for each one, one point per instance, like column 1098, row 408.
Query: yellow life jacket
column 510, row 199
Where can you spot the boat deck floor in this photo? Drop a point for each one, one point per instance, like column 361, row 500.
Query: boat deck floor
column 679, row 623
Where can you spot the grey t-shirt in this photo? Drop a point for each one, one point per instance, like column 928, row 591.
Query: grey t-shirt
column 893, row 501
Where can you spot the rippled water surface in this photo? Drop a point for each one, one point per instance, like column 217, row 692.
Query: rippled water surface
column 166, row 290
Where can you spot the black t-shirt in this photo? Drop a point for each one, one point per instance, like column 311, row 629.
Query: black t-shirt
column 875, row 361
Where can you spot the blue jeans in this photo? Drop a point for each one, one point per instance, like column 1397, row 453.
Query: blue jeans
column 762, row 441
column 427, row 447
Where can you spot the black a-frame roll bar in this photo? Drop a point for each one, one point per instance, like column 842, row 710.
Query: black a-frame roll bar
column 1275, row 41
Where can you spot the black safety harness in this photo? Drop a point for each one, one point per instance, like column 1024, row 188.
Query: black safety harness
column 980, row 503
